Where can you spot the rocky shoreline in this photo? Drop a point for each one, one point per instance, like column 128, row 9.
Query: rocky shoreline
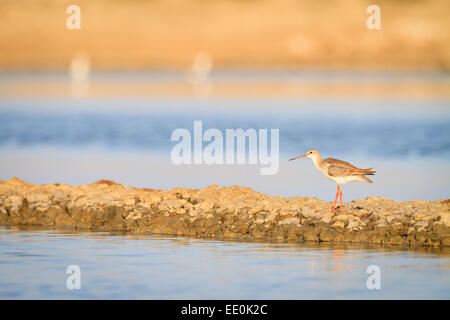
column 224, row 213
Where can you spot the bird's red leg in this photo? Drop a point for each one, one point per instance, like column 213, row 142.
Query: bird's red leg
column 340, row 207
column 337, row 195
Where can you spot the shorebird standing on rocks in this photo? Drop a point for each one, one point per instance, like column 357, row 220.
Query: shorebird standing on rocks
column 337, row 170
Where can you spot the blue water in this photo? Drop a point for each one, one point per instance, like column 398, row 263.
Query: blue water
column 382, row 129
column 33, row 265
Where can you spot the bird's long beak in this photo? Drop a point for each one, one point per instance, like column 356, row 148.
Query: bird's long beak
column 298, row 157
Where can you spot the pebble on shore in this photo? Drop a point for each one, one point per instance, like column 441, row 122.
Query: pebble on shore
column 224, row 213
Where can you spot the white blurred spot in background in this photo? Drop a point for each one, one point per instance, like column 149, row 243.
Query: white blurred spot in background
column 79, row 71
column 199, row 74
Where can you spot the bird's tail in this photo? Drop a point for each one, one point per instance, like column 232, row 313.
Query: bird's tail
column 369, row 171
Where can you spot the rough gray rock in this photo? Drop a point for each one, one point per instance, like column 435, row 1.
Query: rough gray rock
column 224, row 212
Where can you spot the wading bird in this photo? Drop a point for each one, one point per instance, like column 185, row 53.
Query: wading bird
column 337, row 170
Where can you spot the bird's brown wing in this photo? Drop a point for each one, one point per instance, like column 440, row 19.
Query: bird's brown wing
column 339, row 168
column 338, row 171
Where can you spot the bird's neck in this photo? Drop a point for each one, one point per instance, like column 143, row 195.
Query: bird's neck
column 317, row 160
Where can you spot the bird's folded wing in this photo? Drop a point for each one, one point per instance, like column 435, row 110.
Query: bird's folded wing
column 340, row 171
column 339, row 168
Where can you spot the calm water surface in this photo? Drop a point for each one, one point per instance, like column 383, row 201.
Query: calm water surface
column 33, row 265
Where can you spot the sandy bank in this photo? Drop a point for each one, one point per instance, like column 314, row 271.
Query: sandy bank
column 224, row 213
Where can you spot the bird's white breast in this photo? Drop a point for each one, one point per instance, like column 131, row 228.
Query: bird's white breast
column 323, row 168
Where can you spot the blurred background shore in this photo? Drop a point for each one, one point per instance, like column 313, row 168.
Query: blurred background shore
column 262, row 34
column 225, row 47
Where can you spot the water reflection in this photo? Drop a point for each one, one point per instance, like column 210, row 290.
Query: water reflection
column 271, row 245
column 123, row 265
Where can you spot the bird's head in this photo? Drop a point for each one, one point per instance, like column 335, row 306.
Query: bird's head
column 311, row 153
